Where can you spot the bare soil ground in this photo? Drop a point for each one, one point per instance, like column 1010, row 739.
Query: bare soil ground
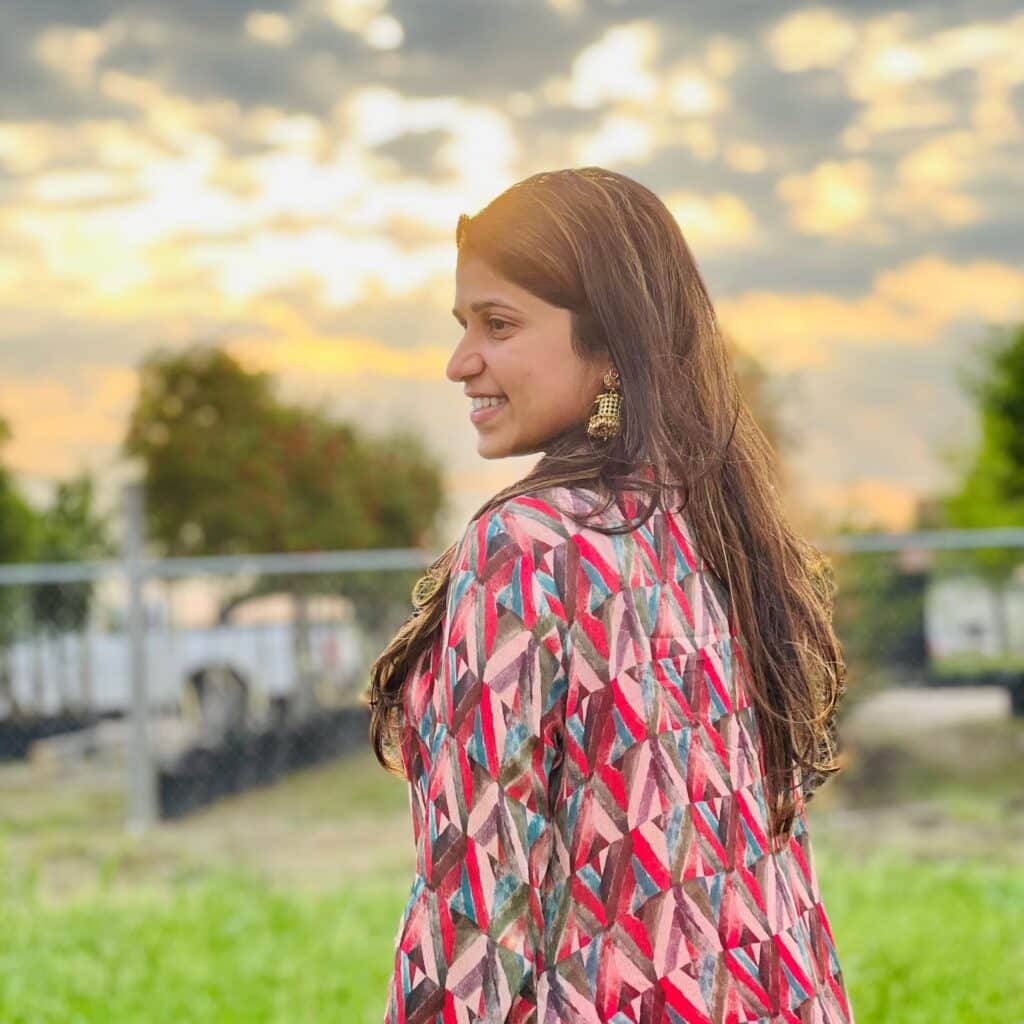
column 938, row 773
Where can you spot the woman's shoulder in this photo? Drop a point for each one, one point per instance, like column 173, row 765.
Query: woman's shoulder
column 536, row 522
column 529, row 524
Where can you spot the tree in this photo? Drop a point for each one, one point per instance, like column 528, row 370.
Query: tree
column 70, row 530
column 879, row 610
column 231, row 469
column 19, row 526
column 19, row 541
column 198, row 422
column 990, row 492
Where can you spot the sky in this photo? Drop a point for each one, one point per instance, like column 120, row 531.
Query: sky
column 285, row 179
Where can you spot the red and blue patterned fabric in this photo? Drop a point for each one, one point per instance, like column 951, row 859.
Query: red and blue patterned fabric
column 587, row 797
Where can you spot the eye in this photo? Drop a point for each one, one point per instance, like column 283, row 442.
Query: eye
column 492, row 319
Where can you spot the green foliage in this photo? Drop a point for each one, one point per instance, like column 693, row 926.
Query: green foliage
column 19, row 526
column 198, row 422
column 879, row 613
column 999, row 391
column 990, row 492
column 19, row 541
column 70, row 530
column 231, row 469
column 879, row 610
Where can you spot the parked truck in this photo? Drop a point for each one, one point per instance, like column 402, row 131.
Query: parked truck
column 221, row 676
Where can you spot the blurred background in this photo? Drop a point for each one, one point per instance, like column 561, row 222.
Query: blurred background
column 228, row 449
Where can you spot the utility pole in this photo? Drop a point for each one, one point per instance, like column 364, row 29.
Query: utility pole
column 140, row 774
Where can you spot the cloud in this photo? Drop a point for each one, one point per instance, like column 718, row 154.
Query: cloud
column 62, row 423
column 899, row 71
column 147, row 214
column 286, row 178
column 815, row 37
column 619, row 139
column 74, row 52
column 871, row 502
column 270, row 27
column 938, row 292
column 647, row 104
column 617, row 67
column 745, row 156
column 835, row 198
column 570, row 8
column 935, row 126
column 712, row 222
column 691, row 93
column 484, row 52
column 908, row 305
column 481, row 146
column 931, row 179
column 321, row 358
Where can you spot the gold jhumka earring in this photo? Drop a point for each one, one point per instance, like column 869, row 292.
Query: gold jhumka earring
column 607, row 421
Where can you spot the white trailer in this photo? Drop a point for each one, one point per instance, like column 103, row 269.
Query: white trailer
column 211, row 674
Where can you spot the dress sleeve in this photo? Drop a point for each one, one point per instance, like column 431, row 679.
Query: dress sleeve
column 475, row 928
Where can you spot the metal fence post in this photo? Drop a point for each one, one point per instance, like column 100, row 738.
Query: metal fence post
column 141, row 777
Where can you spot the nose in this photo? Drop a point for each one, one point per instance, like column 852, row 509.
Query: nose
column 466, row 361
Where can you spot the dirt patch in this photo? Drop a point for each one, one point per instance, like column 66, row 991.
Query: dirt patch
column 945, row 792
column 312, row 831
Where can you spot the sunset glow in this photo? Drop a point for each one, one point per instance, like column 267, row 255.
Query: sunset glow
column 288, row 182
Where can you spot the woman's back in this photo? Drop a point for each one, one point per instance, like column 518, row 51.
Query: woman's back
column 587, row 789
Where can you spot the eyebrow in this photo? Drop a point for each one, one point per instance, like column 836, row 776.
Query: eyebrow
column 483, row 304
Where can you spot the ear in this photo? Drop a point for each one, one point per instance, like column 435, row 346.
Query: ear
column 597, row 381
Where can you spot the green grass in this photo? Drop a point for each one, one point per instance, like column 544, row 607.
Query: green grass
column 224, row 949
column 282, row 905
column 919, row 942
column 977, row 663
column 922, row 942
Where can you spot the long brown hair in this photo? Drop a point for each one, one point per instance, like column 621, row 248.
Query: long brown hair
column 607, row 249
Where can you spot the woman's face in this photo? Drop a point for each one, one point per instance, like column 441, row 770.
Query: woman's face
column 517, row 346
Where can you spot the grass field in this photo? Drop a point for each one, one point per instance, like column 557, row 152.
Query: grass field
column 282, row 905
column 919, row 943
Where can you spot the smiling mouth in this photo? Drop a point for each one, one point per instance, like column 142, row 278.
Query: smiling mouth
column 483, row 412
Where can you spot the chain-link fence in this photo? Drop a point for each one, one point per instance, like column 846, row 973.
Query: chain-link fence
column 194, row 678
column 938, row 608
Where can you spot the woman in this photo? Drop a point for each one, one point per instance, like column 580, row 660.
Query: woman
column 619, row 687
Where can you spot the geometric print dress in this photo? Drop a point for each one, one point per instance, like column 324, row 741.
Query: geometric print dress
column 587, row 794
